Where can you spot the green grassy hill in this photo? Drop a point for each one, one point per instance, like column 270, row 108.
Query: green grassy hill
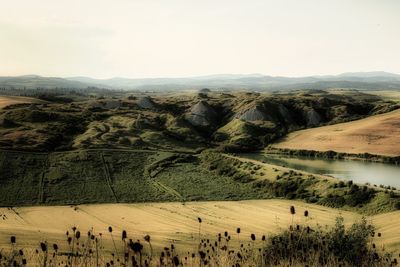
column 112, row 176
column 75, row 177
column 124, row 176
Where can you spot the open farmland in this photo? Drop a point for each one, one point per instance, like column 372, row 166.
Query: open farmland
column 377, row 134
column 177, row 222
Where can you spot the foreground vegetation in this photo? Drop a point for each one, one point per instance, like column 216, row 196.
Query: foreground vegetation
column 299, row 245
column 176, row 222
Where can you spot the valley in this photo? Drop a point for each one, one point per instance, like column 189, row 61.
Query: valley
column 182, row 147
column 199, row 133
column 153, row 163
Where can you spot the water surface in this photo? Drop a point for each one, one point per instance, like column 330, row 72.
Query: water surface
column 358, row 171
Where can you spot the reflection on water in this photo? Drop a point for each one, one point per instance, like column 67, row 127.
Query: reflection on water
column 358, row 171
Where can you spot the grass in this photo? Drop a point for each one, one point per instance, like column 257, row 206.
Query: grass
column 75, row 177
column 268, row 232
column 124, row 176
column 387, row 94
column 281, row 182
column 109, row 176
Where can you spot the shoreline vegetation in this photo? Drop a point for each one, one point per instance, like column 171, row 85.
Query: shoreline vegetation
column 330, row 154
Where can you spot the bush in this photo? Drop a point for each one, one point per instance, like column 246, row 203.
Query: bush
column 357, row 195
column 291, row 188
column 333, row 201
column 314, row 247
column 351, row 245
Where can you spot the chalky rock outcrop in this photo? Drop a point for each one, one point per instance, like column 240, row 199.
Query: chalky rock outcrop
column 105, row 104
column 255, row 114
column 146, row 102
column 202, row 114
column 285, row 114
column 312, row 118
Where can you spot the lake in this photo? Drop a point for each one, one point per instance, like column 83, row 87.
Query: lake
column 359, row 171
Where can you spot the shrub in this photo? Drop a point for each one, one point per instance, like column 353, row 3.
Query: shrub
column 314, row 247
column 333, row 201
column 357, row 195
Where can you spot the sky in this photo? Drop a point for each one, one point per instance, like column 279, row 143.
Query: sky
column 181, row 38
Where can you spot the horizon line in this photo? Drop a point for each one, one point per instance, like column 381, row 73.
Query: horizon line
column 200, row 75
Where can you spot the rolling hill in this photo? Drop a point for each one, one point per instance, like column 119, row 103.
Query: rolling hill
column 35, row 81
column 358, row 80
column 379, row 134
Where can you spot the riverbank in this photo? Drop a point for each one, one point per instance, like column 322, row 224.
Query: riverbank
column 333, row 155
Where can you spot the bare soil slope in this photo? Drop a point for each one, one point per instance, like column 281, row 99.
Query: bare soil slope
column 12, row 100
column 379, row 134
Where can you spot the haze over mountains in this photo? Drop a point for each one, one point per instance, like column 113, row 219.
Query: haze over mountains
column 356, row 80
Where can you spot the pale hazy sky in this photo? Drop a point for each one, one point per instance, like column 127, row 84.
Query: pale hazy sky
column 164, row 38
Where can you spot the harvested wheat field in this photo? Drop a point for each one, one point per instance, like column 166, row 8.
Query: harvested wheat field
column 379, row 134
column 176, row 222
column 12, row 100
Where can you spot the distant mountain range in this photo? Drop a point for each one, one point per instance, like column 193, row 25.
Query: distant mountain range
column 356, row 80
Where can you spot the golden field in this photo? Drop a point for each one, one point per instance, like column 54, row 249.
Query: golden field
column 12, row 100
column 379, row 134
column 177, row 223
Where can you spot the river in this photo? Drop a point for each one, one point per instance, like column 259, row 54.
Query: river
column 359, row 171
